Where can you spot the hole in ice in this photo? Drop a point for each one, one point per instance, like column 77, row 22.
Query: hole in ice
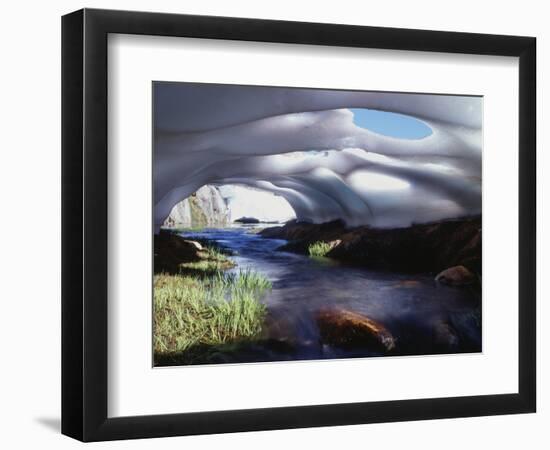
column 390, row 124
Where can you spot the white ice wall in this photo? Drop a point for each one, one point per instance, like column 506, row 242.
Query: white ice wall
column 264, row 137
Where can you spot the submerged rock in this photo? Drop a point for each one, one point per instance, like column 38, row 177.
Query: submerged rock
column 456, row 276
column 346, row 328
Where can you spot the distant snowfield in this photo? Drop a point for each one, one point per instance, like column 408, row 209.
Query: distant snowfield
column 302, row 154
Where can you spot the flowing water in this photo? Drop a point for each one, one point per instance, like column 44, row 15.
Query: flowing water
column 425, row 317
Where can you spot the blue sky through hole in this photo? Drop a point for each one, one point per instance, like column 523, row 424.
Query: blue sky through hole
column 390, row 124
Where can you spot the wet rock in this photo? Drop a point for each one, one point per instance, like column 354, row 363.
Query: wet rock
column 344, row 328
column 195, row 244
column 172, row 252
column 334, row 243
column 456, row 276
column 420, row 248
column 308, row 232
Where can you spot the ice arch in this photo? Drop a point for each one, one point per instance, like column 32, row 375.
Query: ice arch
column 303, row 145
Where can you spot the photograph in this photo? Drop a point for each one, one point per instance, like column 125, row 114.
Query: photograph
column 296, row 224
column 275, row 225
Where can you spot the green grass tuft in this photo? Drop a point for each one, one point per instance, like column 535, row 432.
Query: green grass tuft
column 212, row 260
column 318, row 248
column 215, row 253
column 191, row 311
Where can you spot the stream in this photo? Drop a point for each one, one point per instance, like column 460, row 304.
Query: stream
column 425, row 317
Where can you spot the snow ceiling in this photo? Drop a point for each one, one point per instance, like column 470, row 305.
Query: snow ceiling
column 303, row 145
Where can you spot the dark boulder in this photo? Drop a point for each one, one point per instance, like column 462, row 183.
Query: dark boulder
column 247, row 220
column 171, row 250
column 420, row 248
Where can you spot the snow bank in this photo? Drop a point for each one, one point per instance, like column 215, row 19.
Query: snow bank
column 303, row 145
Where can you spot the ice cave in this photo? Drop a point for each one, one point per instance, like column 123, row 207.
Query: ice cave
column 305, row 146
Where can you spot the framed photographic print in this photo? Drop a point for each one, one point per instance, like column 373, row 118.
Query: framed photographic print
column 273, row 224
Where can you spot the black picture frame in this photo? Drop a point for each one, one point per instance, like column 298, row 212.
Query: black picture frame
column 84, row 224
